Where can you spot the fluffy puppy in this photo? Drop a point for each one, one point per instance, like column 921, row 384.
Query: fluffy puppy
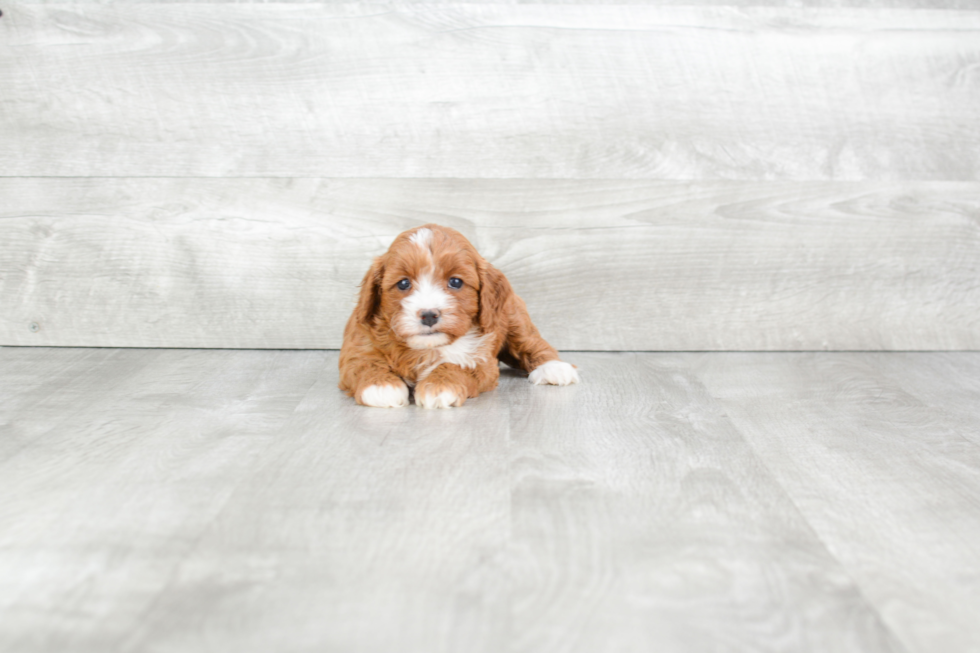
column 434, row 315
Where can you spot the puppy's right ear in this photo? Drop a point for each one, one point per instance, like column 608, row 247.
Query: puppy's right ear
column 369, row 300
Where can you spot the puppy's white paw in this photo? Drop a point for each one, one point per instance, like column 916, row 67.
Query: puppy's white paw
column 554, row 373
column 385, row 396
column 438, row 398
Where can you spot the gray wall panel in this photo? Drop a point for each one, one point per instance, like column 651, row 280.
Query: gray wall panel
column 485, row 91
column 603, row 265
column 650, row 176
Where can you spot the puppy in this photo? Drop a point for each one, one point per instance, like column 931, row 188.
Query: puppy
column 434, row 315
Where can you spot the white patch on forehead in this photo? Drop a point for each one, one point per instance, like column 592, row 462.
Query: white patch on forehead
column 422, row 238
column 467, row 351
column 426, row 295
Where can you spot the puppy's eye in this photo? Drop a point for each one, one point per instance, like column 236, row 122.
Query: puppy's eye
column 404, row 284
column 456, row 283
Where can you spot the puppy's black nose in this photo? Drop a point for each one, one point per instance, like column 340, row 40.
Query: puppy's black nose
column 429, row 318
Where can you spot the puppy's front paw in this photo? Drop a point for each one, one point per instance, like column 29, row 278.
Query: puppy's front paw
column 437, row 395
column 554, row 373
column 389, row 395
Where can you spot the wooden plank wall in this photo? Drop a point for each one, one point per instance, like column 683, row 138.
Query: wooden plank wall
column 650, row 176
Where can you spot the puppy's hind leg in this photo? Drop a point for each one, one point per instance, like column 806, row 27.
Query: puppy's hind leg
column 533, row 354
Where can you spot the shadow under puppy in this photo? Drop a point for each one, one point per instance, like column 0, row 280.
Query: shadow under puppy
column 433, row 314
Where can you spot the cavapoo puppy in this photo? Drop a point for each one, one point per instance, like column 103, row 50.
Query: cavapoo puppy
column 434, row 315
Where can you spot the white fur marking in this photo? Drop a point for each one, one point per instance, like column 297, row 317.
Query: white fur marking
column 422, row 238
column 430, row 341
column 444, row 399
column 467, row 351
column 554, row 373
column 426, row 296
column 385, row 396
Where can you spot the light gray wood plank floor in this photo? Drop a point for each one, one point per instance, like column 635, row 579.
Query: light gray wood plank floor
column 192, row 500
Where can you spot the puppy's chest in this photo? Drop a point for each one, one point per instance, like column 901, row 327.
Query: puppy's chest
column 420, row 364
column 467, row 352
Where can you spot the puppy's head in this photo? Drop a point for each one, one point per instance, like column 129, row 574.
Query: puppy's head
column 430, row 288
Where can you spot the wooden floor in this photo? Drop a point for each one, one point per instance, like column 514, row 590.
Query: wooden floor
column 207, row 500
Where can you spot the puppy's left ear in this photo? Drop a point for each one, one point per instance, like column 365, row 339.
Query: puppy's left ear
column 369, row 299
column 494, row 292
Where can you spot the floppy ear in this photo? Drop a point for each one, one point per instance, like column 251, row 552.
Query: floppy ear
column 494, row 292
column 369, row 299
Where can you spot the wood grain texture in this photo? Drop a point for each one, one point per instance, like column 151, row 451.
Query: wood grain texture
column 490, row 91
column 52, row 387
column 643, row 521
column 888, row 475
column 604, row 265
column 360, row 530
column 121, row 480
column 827, row 4
column 236, row 500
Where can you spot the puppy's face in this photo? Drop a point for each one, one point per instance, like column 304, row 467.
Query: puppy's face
column 429, row 287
